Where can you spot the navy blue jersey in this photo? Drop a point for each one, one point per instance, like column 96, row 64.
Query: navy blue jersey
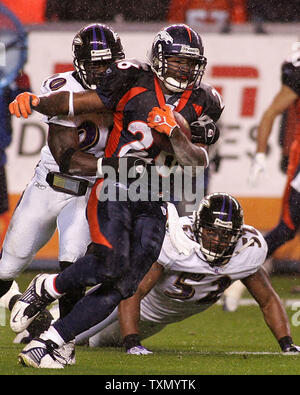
column 131, row 90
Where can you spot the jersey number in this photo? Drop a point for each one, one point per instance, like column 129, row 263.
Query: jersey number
column 186, row 291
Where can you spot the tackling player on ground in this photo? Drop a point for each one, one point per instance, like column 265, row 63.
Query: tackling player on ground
column 222, row 250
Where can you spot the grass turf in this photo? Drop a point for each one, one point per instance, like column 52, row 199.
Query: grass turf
column 211, row 343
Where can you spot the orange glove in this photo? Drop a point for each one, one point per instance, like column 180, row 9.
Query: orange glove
column 21, row 106
column 162, row 120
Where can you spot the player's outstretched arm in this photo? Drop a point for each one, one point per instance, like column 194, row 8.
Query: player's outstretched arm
column 281, row 102
column 260, row 287
column 129, row 312
column 58, row 103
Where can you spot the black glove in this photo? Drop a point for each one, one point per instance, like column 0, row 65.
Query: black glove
column 204, row 131
column 291, row 348
column 287, row 346
column 135, row 166
column 133, row 346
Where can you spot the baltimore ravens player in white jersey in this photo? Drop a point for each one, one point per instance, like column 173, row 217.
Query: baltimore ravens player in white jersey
column 199, row 259
column 53, row 200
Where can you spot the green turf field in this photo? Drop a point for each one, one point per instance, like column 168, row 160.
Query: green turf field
column 211, row 343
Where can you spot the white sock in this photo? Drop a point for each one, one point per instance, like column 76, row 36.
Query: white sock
column 50, row 286
column 52, row 334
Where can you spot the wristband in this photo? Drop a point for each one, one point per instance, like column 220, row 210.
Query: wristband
column 71, row 104
column 285, row 341
column 130, row 341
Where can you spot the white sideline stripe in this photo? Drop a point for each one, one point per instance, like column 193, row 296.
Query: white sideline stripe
column 254, row 353
column 220, row 353
column 252, row 302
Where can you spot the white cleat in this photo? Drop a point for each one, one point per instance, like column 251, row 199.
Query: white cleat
column 41, row 354
column 31, row 303
column 6, row 298
column 67, row 351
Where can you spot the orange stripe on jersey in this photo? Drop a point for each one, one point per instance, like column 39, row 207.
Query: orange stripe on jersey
column 183, row 100
column 159, row 94
column 96, row 235
column 198, row 109
column 115, row 134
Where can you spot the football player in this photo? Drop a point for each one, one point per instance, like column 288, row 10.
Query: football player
column 53, row 199
column 177, row 286
column 127, row 234
column 287, row 99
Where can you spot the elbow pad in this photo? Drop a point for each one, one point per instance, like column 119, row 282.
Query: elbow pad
column 204, row 131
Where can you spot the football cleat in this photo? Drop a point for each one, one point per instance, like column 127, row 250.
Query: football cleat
column 138, row 350
column 67, row 352
column 42, row 354
column 34, row 300
column 39, row 325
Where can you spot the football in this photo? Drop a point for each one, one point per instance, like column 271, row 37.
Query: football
column 163, row 141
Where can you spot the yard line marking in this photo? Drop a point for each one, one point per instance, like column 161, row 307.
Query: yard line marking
column 252, row 302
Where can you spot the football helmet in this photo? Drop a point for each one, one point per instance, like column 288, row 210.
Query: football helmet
column 94, row 48
column 178, row 41
column 217, row 226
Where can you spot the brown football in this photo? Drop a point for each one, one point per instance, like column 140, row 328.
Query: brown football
column 163, row 141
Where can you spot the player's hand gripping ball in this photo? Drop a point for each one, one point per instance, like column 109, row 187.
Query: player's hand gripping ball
column 165, row 120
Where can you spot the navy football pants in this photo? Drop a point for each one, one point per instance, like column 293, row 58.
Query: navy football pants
column 127, row 238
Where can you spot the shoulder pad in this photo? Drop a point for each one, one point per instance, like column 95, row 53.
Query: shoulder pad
column 55, row 81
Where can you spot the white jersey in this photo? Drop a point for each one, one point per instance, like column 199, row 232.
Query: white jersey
column 190, row 285
column 92, row 128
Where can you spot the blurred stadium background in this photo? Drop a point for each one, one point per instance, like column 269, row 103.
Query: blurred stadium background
column 245, row 43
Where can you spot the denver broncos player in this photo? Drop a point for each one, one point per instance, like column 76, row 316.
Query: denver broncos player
column 52, row 199
column 223, row 249
column 127, row 234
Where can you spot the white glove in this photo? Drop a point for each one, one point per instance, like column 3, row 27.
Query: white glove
column 138, row 350
column 258, row 167
column 178, row 238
